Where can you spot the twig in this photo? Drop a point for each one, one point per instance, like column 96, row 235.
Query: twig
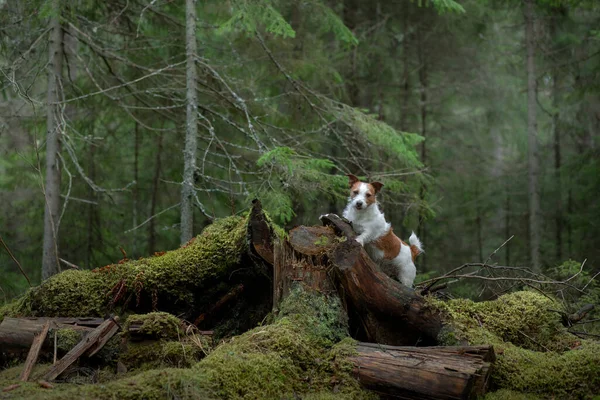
column 495, row 251
column 534, row 341
column 68, row 264
column 152, row 217
column 584, row 333
column 15, row 260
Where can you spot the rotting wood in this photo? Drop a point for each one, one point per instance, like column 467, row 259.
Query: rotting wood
column 387, row 311
column 84, row 345
column 260, row 232
column 16, row 334
column 34, row 352
column 424, row 372
column 103, row 338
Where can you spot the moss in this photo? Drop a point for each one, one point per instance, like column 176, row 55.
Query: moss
column 66, row 339
column 535, row 353
column 522, row 318
column 571, row 374
column 169, row 281
column 506, row 394
column 155, row 325
column 294, row 357
column 151, row 355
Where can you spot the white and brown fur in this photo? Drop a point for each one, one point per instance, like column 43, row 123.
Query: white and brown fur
column 377, row 235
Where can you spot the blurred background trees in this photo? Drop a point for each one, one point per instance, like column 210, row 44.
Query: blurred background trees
column 429, row 97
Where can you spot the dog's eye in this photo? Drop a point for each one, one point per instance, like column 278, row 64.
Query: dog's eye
column 369, row 195
column 355, row 192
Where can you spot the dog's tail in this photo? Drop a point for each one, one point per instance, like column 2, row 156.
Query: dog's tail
column 416, row 247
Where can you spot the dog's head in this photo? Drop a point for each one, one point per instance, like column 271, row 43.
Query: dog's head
column 362, row 194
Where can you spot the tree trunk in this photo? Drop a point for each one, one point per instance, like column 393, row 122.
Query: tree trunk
column 557, row 163
column 50, row 263
column 135, row 190
column 380, row 309
column 405, row 68
column 189, row 155
column 423, row 79
column 155, row 184
column 533, row 152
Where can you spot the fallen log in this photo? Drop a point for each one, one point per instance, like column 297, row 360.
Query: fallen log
column 424, row 372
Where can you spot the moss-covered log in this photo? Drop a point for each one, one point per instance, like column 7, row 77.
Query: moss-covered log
column 185, row 282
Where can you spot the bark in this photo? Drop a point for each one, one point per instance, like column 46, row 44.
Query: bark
column 424, row 372
column 135, row 190
column 34, row 352
column 423, row 79
column 189, row 155
column 405, row 69
column 155, row 183
column 380, row 309
column 557, row 164
column 533, row 152
column 50, row 263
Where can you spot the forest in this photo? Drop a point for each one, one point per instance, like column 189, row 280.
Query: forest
column 164, row 166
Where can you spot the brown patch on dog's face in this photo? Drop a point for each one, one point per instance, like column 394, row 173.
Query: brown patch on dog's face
column 370, row 194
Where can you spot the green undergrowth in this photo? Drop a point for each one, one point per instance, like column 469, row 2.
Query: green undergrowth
column 168, row 281
column 536, row 356
column 303, row 353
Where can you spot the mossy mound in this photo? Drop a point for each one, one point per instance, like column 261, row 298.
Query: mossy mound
column 155, row 325
column 294, row 357
column 186, row 280
column 161, row 354
column 535, row 353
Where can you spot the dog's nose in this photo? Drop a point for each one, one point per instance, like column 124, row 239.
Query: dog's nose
column 359, row 204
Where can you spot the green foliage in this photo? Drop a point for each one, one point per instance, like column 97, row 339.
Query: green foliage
column 250, row 15
column 443, row 6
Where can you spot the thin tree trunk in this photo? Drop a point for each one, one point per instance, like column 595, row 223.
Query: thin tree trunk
column 557, row 164
column 187, row 190
column 405, row 69
column 533, row 152
column 91, row 207
column 423, row 81
column 50, row 264
column 134, row 211
column 507, row 227
column 155, row 183
column 478, row 223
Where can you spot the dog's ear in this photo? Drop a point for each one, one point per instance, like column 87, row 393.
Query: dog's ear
column 352, row 179
column 377, row 186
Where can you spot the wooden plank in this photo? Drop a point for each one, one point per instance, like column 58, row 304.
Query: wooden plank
column 34, row 352
column 86, row 343
column 102, row 340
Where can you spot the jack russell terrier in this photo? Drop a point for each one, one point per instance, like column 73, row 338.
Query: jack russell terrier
column 376, row 235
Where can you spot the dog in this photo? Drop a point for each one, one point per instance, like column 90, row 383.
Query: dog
column 377, row 236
